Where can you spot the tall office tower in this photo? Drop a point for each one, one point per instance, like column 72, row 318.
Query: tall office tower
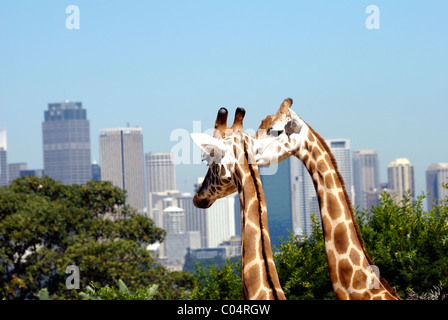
column 215, row 224
column 195, row 218
column 436, row 174
column 365, row 177
column 304, row 199
column 14, row 170
column 174, row 219
column 341, row 151
column 160, row 172
column 3, row 159
column 96, row 172
column 400, row 177
column 66, row 143
column 220, row 222
column 121, row 162
column 278, row 192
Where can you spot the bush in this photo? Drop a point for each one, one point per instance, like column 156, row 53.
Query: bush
column 217, row 282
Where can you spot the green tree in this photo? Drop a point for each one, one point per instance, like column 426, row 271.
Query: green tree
column 407, row 243
column 302, row 266
column 46, row 226
column 221, row 282
column 95, row 291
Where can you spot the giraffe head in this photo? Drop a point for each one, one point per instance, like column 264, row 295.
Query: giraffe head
column 283, row 121
column 279, row 135
column 221, row 152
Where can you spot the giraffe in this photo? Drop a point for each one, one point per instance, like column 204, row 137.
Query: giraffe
column 232, row 168
column 351, row 270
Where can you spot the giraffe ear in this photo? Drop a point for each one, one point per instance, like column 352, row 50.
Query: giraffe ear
column 213, row 148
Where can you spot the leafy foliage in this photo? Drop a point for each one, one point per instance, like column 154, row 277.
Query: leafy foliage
column 95, row 291
column 217, row 282
column 302, row 266
column 46, row 226
column 409, row 245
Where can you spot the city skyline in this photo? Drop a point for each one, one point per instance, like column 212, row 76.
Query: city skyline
column 382, row 89
column 160, row 167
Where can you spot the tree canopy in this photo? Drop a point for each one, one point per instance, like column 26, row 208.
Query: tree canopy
column 46, row 226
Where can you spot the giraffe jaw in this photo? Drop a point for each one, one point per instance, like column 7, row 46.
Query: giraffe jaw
column 202, row 203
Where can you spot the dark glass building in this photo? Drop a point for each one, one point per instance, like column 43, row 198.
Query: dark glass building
column 277, row 190
column 66, row 143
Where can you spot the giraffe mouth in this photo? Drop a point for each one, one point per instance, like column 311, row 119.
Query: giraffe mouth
column 202, row 203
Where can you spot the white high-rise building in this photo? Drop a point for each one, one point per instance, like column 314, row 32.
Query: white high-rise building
column 341, row 151
column 365, row 176
column 160, row 172
column 121, row 154
column 400, row 176
column 220, row 223
column 436, row 174
column 3, row 159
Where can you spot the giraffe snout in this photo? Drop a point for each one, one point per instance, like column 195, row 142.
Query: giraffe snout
column 203, row 203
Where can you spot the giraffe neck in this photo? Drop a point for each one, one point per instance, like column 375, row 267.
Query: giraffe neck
column 351, row 270
column 259, row 275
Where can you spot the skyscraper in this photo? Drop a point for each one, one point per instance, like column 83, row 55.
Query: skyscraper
column 278, row 192
column 66, row 143
column 160, row 172
column 436, row 174
column 3, row 159
column 14, row 170
column 400, row 177
column 121, row 154
column 304, row 198
column 340, row 148
column 365, row 176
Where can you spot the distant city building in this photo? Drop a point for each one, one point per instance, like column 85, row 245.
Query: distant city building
column 160, row 172
column 174, row 219
column 96, row 172
column 340, row 148
column 304, row 198
column 220, row 221
column 278, row 192
column 195, row 218
column 66, row 143
column 177, row 245
column 39, row 173
column 14, row 170
column 3, row 158
column 121, row 154
column 365, row 177
column 436, row 174
column 400, row 175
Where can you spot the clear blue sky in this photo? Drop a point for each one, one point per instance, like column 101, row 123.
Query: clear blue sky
column 161, row 65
